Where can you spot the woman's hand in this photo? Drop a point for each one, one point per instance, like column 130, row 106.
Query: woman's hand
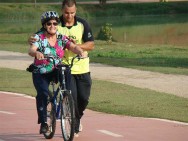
column 39, row 55
column 34, row 53
column 78, row 50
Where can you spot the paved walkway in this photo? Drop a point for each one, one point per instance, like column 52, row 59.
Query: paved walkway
column 171, row 84
column 18, row 122
column 168, row 83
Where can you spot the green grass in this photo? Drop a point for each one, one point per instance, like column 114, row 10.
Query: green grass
column 16, row 81
column 111, row 97
column 169, row 33
column 23, row 48
column 158, row 58
column 127, row 100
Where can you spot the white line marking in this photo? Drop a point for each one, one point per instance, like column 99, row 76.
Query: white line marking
column 17, row 94
column 170, row 121
column 9, row 113
column 110, row 133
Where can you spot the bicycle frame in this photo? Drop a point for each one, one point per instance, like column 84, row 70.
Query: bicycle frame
column 63, row 88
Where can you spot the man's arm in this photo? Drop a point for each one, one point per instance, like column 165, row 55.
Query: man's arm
column 87, row 37
column 31, row 39
column 87, row 46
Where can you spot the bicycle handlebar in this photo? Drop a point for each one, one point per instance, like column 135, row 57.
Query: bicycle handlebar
column 72, row 61
column 48, row 57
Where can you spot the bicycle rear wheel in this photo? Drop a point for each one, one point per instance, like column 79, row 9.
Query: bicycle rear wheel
column 67, row 116
column 51, row 119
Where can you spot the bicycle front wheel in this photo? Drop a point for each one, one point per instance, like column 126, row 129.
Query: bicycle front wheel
column 51, row 119
column 67, row 116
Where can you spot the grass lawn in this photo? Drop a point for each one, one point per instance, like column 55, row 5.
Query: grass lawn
column 111, row 97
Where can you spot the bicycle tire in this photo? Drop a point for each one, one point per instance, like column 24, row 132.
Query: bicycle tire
column 67, row 117
column 51, row 119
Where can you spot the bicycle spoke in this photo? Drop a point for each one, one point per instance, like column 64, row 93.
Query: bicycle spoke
column 67, row 117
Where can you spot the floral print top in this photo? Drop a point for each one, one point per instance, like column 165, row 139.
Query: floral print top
column 57, row 51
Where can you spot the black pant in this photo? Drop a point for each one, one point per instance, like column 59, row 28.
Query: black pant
column 41, row 83
column 80, row 87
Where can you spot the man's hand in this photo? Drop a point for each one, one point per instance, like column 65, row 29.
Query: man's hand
column 31, row 39
column 84, row 54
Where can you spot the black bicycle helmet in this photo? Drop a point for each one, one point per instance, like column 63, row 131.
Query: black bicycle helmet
column 49, row 15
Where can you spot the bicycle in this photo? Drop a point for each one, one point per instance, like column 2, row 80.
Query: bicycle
column 61, row 104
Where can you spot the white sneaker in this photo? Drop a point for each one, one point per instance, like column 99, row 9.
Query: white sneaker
column 76, row 135
column 80, row 127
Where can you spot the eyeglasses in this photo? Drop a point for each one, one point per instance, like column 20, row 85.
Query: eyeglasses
column 49, row 24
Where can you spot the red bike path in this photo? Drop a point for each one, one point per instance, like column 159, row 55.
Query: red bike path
column 18, row 122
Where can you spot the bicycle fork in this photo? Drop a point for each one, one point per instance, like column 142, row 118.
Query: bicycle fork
column 55, row 102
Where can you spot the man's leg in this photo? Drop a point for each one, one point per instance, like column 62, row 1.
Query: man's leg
column 73, row 86
column 84, row 89
column 80, row 87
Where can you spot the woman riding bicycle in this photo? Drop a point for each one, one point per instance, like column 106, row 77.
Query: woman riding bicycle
column 49, row 43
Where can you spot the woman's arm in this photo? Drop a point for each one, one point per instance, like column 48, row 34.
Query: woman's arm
column 76, row 49
column 34, row 53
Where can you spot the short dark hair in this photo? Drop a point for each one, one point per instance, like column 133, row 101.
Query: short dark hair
column 69, row 3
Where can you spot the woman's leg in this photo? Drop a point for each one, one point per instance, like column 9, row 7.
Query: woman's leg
column 41, row 84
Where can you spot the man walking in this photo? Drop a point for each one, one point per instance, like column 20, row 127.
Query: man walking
column 78, row 30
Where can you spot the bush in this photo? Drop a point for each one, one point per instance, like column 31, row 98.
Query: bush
column 105, row 33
